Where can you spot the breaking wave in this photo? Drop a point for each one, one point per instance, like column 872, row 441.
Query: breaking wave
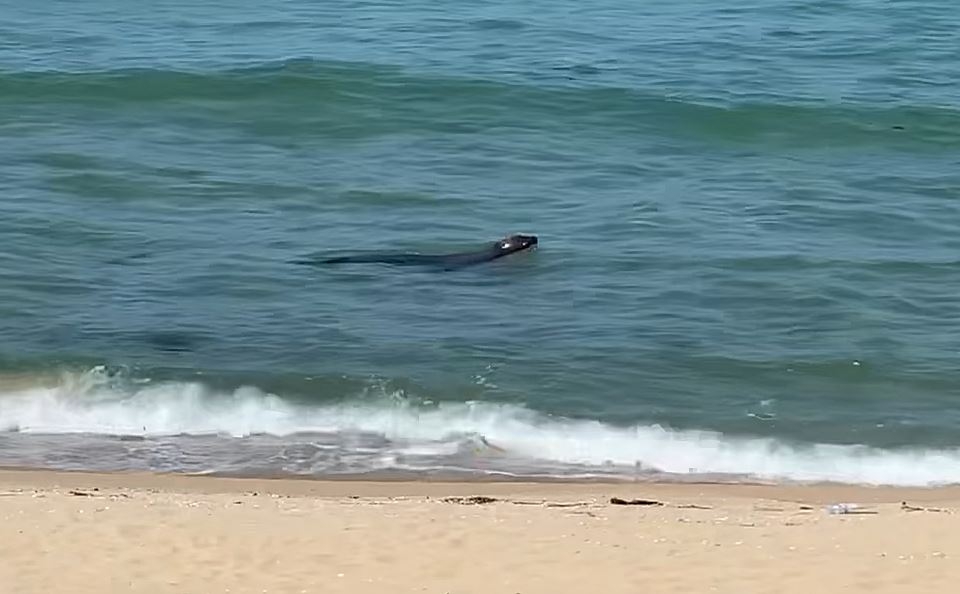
column 96, row 403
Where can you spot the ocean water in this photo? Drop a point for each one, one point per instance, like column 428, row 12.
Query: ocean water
column 748, row 212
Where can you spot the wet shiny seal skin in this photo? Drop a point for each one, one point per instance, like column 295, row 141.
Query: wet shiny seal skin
column 497, row 249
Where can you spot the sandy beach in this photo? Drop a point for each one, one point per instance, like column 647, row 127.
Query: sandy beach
column 78, row 532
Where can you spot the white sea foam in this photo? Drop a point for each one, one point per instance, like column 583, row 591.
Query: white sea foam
column 92, row 403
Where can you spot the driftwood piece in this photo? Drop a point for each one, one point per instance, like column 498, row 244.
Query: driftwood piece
column 618, row 501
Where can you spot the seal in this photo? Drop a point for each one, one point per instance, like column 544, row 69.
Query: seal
column 497, row 249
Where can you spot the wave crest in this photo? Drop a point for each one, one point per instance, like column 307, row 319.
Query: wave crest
column 325, row 93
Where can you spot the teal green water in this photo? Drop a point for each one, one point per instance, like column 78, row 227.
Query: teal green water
column 749, row 223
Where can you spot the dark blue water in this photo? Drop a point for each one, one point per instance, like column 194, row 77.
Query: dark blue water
column 748, row 218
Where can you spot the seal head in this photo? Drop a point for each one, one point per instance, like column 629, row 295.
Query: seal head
column 515, row 243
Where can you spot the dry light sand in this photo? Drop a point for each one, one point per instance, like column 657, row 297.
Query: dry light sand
column 79, row 533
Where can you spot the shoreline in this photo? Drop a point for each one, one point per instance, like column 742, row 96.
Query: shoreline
column 390, row 484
